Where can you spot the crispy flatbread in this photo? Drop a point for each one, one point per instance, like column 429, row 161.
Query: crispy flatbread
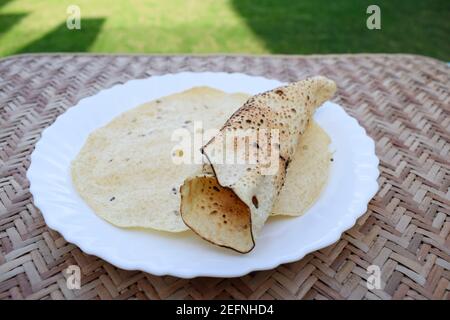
column 307, row 173
column 125, row 174
column 125, row 171
column 229, row 204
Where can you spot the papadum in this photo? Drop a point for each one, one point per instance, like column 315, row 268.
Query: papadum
column 125, row 172
column 229, row 205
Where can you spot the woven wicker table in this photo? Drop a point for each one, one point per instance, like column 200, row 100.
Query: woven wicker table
column 403, row 101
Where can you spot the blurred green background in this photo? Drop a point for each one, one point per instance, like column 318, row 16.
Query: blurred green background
column 226, row 26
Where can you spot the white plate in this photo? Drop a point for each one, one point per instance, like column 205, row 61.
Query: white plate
column 352, row 183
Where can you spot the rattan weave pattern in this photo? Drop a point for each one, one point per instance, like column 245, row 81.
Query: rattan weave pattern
column 403, row 101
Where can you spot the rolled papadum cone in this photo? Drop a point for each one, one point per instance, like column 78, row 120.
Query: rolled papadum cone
column 230, row 201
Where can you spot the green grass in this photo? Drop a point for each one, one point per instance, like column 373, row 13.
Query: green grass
column 226, row 26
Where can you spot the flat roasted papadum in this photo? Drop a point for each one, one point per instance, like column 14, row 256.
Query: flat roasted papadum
column 307, row 173
column 125, row 171
column 228, row 203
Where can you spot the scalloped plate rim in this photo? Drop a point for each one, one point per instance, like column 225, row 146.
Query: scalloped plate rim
column 345, row 222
